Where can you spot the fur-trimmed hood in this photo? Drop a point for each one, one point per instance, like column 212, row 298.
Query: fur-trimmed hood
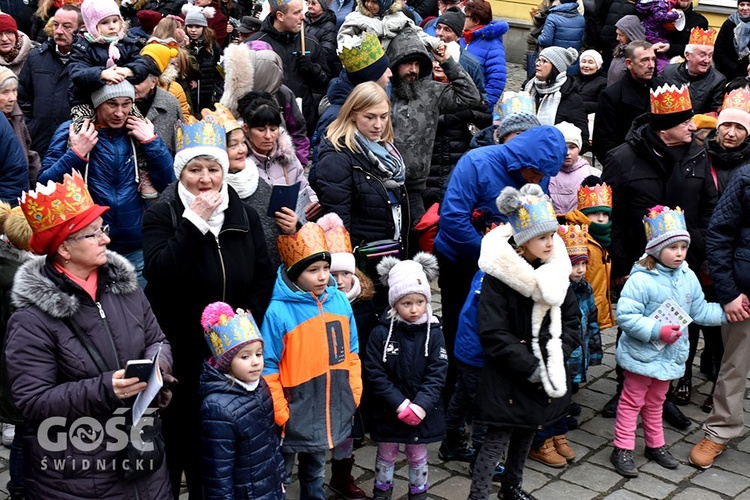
column 493, row 31
column 249, row 70
column 33, row 287
column 547, row 286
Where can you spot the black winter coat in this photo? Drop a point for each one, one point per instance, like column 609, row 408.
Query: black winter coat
column 706, row 90
column 590, row 87
column 202, row 94
column 505, row 397
column 639, row 181
column 679, row 39
column 348, row 184
column 324, row 30
column 571, row 110
column 609, row 12
column 728, row 239
column 164, row 7
column 240, row 448
column 725, row 55
column 724, row 162
column 406, row 374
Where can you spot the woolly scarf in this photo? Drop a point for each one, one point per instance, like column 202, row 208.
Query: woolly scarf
column 355, row 290
column 601, row 232
column 244, row 181
column 386, row 159
column 546, row 285
column 550, row 97
column 741, row 34
column 217, row 218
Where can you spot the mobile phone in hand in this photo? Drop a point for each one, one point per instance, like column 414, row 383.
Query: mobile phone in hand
column 139, row 368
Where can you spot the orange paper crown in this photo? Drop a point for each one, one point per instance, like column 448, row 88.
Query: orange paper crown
column 737, row 99
column 338, row 240
column 308, row 241
column 597, row 196
column 575, row 237
column 668, row 99
column 54, row 204
column 223, row 117
column 699, row 36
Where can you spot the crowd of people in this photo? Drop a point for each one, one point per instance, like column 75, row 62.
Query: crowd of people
column 254, row 202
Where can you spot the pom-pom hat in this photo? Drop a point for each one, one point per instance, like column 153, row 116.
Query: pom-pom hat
column 161, row 54
column 227, row 332
column 664, row 227
column 529, row 211
column 339, row 243
column 197, row 16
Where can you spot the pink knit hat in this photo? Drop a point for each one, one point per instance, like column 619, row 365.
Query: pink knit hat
column 93, row 11
column 403, row 277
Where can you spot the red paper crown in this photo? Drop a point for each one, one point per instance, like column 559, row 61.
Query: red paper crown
column 737, row 99
column 309, row 240
column 54, row 204
column 597, row 196
column 699, row 36
column 668, row 99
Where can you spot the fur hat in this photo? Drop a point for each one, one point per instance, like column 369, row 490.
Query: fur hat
column 107, row 92
column 517, row 122
column 529, row 210
column 403, row 277
column 7, row 23
column 93, row 11
column 197, row 16
column 664, row 227
column 454, row 19
column 339, row 243
column 571, row 133
column 560, row 58
column 227, row 332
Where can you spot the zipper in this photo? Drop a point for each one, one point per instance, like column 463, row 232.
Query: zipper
column 223, row 270
column 103, row 316
column 329, row 437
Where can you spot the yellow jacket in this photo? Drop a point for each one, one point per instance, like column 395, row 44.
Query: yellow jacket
column 175, row 89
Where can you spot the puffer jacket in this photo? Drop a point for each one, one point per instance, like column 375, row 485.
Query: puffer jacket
column 349, row 185
column 479, row 177
column 468, row 348
column 642, row 294
column 564, row 27
column 589, row 353
column 312, row 365
column 563, row 187
column 14, row 170
column 706, row 90
column 324, row 30
column 240, row 448
column 654, row 15
column 728, row 239
column 201, row 95
column 486, row 44
column 111, row 172
column 415, row 368
column 54, row 376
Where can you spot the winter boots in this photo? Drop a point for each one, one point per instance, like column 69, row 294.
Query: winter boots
column 342, row 481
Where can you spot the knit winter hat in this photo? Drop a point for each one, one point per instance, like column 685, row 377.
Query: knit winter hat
column 7, row 23
column 529, row 211
column 197, row 16
column 107, row 92
column 560, row 58
column 324, row 4
column 5, row 73
column 161, row 54
column 403, row 277
column 517, row 122
column 227, row 332
column 148, row 19
column 596, row 56
column 454, row 19
column 249, row 24
column 93, row 11
column 15, row 226
column 664, row 227
column 736, row 108
column 571, row 133
column 339, row 243
column 594, row 195
column 363, row 58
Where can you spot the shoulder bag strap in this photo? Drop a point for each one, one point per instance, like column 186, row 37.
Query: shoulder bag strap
column 87, row 344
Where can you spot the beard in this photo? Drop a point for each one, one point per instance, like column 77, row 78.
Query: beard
column 406, row 90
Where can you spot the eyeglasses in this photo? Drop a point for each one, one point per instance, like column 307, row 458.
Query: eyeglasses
column 99, row 234
column 7, row 34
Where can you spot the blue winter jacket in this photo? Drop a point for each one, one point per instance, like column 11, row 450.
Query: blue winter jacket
column 487, row 45
column 14, row 169
column 111, row 174
column 645, row 291
column 468, row 349
column 564, row 27
column 479, row 177
column 239, row 445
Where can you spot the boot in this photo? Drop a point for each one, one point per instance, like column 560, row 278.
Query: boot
column 378, row 494
column 610, row 407
column 342, row 482
column 548, row 455
column 455, row 447
column 418, row 496
column 563, row 448
column 513, row 492
column 623, row 462
column 674, row 416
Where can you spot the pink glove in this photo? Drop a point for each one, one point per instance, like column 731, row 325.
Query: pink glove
column 670, row 333
column 409, row 417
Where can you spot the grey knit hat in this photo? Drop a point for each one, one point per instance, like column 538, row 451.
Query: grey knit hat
column 197, row 16
column 517, row 122
column 107, row 92
column 560, row 58
column 454, row 19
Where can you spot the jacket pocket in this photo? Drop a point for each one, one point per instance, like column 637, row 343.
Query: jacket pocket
column 640, row 351
column 742, row 269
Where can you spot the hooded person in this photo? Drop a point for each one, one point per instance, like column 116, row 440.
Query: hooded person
column 628, row 29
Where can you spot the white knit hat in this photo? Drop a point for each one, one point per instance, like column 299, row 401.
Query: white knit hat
column 403, row 277
column 596, row 56
column 571, row 133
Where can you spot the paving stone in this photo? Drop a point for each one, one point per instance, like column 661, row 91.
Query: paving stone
column 586, row 438
column 734, row 461
column 650, row 486
column 534, row 480
column 599, row 426
column 744, row 445
column 696, row 494
column 451, row 487
column 720, row 481
column 604, row 386
column 562, row 490
column 592, row 399
column 623, row 495
column 592, row 477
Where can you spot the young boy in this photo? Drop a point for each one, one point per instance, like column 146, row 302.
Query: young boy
column 563, row 188
column 312, row 357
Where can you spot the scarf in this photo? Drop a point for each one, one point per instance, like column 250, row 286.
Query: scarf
column 601, row 232
column 386, row 159
column 355, row 290
column 14, row 51
column 244, row 181
column 217, row 218
column 550, row 97
column 741, row 34
column 248, row 386
column 112, row 50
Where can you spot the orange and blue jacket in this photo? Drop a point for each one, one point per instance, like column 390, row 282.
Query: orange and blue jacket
column 311, row 365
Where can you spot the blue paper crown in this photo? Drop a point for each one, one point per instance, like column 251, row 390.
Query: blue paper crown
column 511, row 103
column 533, row 212
column 205, row 133
column 664, row 223
column 229, row 333
column 275, row 4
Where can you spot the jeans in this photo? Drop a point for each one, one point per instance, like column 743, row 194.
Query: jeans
column 311, row 473
column 136, row 258
column 15, row 465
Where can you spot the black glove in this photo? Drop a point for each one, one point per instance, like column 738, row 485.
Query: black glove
column 305, row 64
column 465, row 115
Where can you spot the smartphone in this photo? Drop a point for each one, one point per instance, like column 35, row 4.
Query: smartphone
column 140, row 368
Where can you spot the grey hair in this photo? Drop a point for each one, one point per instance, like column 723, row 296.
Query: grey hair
column 7, row 82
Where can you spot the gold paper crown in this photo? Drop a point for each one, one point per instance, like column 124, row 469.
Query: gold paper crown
column 309, row 240
column 338, row 240
column 657, row 223
column 597, row 196
column 575, row 238
column 193, row 133
column 699, row 36
column 357, row 56
column 737, row 99
column 223, row 117
column 54, row 204
column 668, row 99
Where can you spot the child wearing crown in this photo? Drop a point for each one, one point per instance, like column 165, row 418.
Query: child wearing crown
column 312, row 357
column 528, row 327
column 653, row 353
column 240, row 448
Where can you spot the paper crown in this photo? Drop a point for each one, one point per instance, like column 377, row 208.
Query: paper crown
column 535, row 216
column 575, row 238
column 737, row 99
column 699, row 36
column 339, row 243
column 226, row 331
column 223, row 117
column 275, row 4
column 357, row 53
column 54, row 204
column 667, row 99
column 594, row 197
column 662, row 223
column 309, row 240
column 513, row 102
column 194, row 133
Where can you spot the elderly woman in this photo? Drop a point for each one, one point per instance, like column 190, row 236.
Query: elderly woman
column 80, row 317
column 9, row 106
column 732, row 46
column 200, row 246
column 14, row 45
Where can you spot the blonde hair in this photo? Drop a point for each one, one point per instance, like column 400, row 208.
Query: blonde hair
column 15, row 226
column 342, row 130
column 648, row 262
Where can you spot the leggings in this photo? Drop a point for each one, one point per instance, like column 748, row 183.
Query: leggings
column 416, row 455
column 518, row 442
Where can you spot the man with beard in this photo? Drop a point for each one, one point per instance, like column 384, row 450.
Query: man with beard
column 418, row 101
column 44, row 81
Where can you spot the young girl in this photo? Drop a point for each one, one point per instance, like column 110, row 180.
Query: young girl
column 240, row 448
column 207, row 52
column 528, row 326
column 653, row 353
column 658, row 16
column 406, row 364
column 563, row 188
